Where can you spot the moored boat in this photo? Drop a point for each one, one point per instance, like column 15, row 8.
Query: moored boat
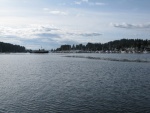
column 147, row 50
column 40, row 51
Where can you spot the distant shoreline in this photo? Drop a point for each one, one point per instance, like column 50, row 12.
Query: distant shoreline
column 116, row 46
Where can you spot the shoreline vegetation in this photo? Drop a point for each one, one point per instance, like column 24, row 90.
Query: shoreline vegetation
column 10, row 48
column 116, row 46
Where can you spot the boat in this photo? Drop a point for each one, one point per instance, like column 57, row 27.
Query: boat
column 147, row 50
column 39, row 51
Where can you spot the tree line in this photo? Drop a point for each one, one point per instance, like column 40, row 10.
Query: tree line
column 118, row 45
column 7, row 47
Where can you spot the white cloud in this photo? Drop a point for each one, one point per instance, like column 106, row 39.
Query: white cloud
column 84, row 34
column 96, row 3
column 30, row 35
column 80, row 2
column 89, row 3
column 43, row 35
column 56, row 12
column 90, row 34
column 132, row 26
column 26, row 33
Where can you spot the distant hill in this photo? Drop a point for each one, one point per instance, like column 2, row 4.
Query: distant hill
column 7, row 47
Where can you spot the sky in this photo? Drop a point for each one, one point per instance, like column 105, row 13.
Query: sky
column 51, row 23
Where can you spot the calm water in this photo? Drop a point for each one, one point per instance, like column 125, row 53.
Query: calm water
column 51, row 83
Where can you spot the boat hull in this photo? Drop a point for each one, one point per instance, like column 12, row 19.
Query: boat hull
column 40, row 52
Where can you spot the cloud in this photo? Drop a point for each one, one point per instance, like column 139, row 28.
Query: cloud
column 28, row 35
column 90, row 34
column 48, row 35
column 27, row 32
column 56, row 12
column 132, row 26
column 46, row 28
column 44, row 35
column 85, row 34
column 89, row 3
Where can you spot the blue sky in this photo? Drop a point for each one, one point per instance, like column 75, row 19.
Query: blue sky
column 51, row 23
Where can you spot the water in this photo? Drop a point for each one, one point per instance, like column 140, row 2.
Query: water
column 52, row 83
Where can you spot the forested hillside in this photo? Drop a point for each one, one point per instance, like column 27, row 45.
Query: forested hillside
column 7, row 47
column 116, row 45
